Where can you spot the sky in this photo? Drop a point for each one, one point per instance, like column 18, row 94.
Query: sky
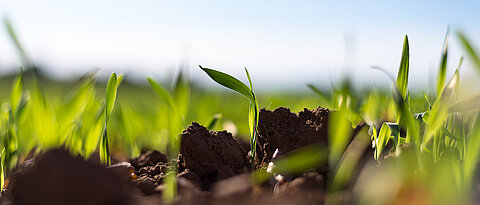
column 284, row 44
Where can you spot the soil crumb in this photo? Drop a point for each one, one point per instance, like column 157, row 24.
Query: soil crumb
column 286, row 131
column 56, row 177
column 212, row 155
column 149, row 158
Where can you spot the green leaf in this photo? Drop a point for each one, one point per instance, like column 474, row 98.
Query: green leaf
column 2, row 172
column 469, row 104
column 111, row 95
column 324, row 96
column 181, row 93
column 405, row 117
column 301, row 160
column 439, row 113
column 467, row 45
column 443, row 66
column 402, row 78
column 253, row 119
column 18, row 46
column 214, row 121
column 16, row 95
column 93, row 133
column 383, row 138
column 339, row 135
column 162, row 92
column 229, row 82
column 104, row 149
column 472, row 153
column 249, row 80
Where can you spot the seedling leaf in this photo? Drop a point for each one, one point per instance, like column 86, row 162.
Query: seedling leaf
column 229, row 82
column 162, row 92
column 402, row 78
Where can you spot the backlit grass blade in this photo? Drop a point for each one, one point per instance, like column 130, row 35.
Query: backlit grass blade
column 162, row 92
column 439, row 112
column 324, row 96
column 472, row 153
column 181, row 93
column 92, row 133
column 469, row 104
column 382, row 140
column 253, row 118
column 467, row 45
column 339, row 135
column 111, row 95
column 346, row 168
column 301, row 160
column 213, row 122
column 2, row 173
column 229, row 82
column 443, row 66
column 13, row 37
column 402, row 78
column 16, row 95
column 104, row 149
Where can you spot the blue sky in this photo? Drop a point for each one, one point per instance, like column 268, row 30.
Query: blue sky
column 282, row 43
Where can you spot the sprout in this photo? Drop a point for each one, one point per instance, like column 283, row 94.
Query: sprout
column 236, row 85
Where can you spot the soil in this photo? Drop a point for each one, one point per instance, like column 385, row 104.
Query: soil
column 58, row 178
column 286, row 131
column 213, row 168
column 209, row 156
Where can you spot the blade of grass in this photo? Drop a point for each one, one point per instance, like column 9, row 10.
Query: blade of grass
column 213, row 122
column 229, row 82
column 443, row 66
column 324, row 96
column 467, row 45
column 27, row 63
column 402, row 77
column 162, row 92
column 110, row 96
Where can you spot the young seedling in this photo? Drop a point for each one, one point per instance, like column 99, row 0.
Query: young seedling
column 236, row 85
column 110, row 96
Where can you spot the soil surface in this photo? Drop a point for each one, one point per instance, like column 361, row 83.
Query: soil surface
column 213, row 168
column 209, row 156
column 286, row 131
column 58, row 178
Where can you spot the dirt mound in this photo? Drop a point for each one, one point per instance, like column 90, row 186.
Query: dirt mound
column 58, row 178
column 149, row 158
column 212, row 155
column 286, row 131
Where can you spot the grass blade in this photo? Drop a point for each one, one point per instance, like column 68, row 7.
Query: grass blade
column 324, row 96
column 21, row 52
column 162, row 92
column 111, row 95
column 339, row 135
column 213, row 122
column 402, row 78
column 443, row 66
column 467, row 45
column 229, row 82
column 16, row 95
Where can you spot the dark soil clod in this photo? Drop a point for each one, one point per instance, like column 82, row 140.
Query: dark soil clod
column 58, row 178
column 212, row 155
column 286, row 131
column 149, row 158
